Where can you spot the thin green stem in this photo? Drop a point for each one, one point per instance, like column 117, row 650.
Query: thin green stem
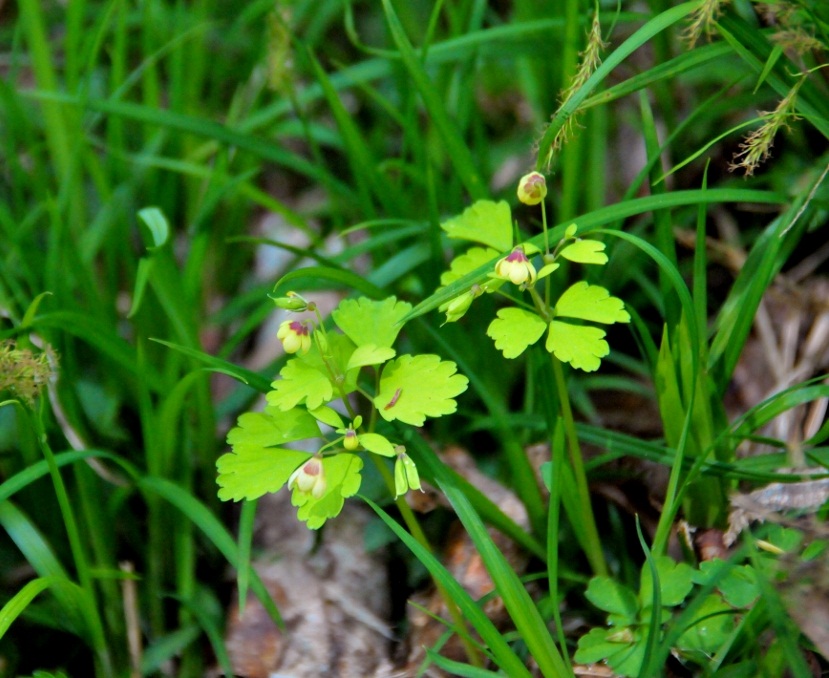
column 76, row 546
column 416, row 531
column 590, row 540
column 544, row 226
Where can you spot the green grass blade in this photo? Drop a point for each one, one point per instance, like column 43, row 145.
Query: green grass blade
column 246, row 523
column 456, row 149
column 600, row 217
column 502, row 653
column 339, row 276
column 247, row 377
column 12, row 609
column 521, row 608
column 212, row 528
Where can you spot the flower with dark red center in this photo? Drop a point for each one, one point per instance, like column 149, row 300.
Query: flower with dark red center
column 295, row 336
column 309, row 478
column 516, row 268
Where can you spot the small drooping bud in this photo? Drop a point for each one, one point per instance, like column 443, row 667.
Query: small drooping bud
column 516, row 268
column 350, row 442
column 532, row 188
column 457, row 307
column 292, row 302
column 309, row 478
column 295, row 336
column 406, row 476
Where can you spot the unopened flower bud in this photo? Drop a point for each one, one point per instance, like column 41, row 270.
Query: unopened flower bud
column 350, row 441
column 456, row 308
column 291, row 302
column 532, row 188
column 309, row 478
column 406, row 476
column 516, row 268
column 295, row 336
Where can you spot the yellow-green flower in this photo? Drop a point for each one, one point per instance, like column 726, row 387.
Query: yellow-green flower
column 295, row 336
column 309, row 478
column 516, row 268
column 532, row 188
column 350, row 441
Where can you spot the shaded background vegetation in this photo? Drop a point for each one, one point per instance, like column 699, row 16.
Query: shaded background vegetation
column 341, row 135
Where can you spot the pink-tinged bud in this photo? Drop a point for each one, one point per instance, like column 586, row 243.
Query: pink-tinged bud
column 516, row 268
column 532, row 188
column 309, row 478
column 295, row 336
column 350, row 441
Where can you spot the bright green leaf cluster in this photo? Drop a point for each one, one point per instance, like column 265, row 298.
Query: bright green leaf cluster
column 623, row 642
column 568, row 337
column 730, row 591
column 330, row 369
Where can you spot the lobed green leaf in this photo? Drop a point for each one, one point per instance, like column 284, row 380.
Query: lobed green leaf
column 582, row 347
column 415, row 387
column 250, row 471
column 591, row 302
column 514, row 330
column 365, row 321
column 585, row 252
column 486, row 222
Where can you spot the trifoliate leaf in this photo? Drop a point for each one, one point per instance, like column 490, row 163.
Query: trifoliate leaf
column 571, row 231
column 591, row 302
column 342, row 478
column 514, row 329
column 307, row 379
column 327, row 416
column 252, row 470
column 365, row 321
column 415, row 387
column 485, row 222
column 582, row 347
column 585, row 252
column 273, row 427
column 370, row 354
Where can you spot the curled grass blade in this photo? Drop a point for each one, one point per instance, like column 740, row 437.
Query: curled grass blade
column 339, row 276
column 20, row 601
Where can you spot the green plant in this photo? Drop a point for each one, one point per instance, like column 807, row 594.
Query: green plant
column 328, row 369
